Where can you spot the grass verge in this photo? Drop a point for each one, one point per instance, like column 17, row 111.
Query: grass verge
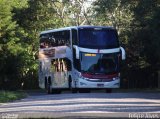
column 8, row 96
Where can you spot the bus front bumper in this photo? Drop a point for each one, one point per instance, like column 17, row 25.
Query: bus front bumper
column 82, row 83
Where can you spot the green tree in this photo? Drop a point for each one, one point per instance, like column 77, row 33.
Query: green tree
column 38, row 16
column 73, row 12
column 147, row 21
column 11, row 42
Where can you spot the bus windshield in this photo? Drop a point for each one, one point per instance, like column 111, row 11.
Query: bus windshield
column 99, row 63
column 98, row 38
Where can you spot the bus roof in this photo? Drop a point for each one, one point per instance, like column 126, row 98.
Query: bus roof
column 75, row 27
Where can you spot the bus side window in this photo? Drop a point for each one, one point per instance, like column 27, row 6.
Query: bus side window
column 55, row 65
column 45, row 41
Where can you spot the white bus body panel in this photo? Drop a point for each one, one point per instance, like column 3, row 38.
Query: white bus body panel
column 55, row 53
column 44, row 71
column 58, row 79
column 114, row 50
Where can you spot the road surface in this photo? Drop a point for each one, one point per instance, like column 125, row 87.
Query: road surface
column 84, row 105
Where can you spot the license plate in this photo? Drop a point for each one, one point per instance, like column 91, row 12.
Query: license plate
column 100, row 85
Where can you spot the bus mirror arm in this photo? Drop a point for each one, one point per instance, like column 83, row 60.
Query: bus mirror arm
column 123, row 53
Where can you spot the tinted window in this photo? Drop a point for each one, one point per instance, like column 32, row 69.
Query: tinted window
column 54, row 39
column 98, row 38
column 44, row 41
column 99, row 63
column 61, row 38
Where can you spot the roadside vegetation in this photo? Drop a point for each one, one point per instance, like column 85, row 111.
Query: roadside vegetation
column 7, row 96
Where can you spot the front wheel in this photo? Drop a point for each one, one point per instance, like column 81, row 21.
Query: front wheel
column 108, row 90
column 49, row 89
column 81, row 90
column 74, row 90
column 56, row 91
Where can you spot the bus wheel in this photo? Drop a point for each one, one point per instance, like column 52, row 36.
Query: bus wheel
column 84, row 90
column 70, row 83
column 56, row 91
column 108, row 90
column 45, row 84
column 74, row 90
column 49, row 87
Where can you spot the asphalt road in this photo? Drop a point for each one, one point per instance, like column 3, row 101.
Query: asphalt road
column 84, row 105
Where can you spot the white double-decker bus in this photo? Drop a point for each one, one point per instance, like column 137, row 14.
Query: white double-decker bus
column 79, row 58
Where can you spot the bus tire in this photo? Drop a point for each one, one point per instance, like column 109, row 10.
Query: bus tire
column 45, row 83
column 49, row 87
column 84, row 90
column 74, row 90
column 70, row 83
column 108, row 90
column 56, row 91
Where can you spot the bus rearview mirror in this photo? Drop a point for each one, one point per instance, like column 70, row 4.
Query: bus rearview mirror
column 123, row 53
column 77, row 52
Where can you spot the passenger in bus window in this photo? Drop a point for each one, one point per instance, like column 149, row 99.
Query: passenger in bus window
column 56, row 65
column 64, row 65
column 61, row 65
column 42, row 45
column 52, row 66
column 46, row 45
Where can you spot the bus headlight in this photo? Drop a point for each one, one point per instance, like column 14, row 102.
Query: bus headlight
column 80, row 76
column 115, row 78
column 85, row 78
